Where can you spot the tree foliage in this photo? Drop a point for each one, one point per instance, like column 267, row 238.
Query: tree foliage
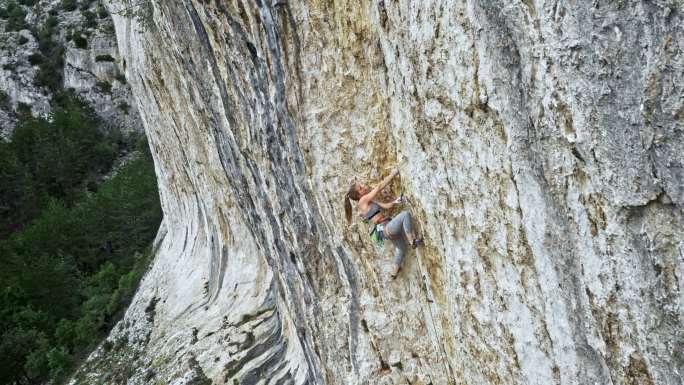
column 50, row 70
column 16, row 17
column 56, row 157
column 72, row 248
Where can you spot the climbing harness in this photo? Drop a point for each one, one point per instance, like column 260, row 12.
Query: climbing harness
column 378, row 234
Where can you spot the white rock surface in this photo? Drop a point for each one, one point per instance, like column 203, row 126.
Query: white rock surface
column 540, row 146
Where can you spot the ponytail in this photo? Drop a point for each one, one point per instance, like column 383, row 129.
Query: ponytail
column 352, row 194
column 347, row 208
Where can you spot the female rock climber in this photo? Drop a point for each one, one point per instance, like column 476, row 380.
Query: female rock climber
column 398, row 229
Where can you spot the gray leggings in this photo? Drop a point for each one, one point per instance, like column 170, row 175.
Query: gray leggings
column 398, row 227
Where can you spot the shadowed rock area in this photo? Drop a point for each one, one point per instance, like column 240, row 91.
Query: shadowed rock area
column 540, row 145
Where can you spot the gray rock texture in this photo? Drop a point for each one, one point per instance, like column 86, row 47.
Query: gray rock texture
column 93, row 72
column 540, row 145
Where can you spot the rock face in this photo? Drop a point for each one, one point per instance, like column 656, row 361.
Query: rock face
column 92, row 70
column 540, row 144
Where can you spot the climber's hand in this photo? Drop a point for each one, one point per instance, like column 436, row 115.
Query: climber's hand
column 373, row 193
column 400, row 199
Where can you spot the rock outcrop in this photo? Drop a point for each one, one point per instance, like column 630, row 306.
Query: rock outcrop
column 88, row 64
column 540, row 144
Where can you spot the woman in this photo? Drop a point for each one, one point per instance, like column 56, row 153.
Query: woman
column 398, row 229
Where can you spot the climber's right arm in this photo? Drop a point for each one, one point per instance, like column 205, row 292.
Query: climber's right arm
column 371, row 195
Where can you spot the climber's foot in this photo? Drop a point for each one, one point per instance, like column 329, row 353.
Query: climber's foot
column 417, row 242
column 395, row 271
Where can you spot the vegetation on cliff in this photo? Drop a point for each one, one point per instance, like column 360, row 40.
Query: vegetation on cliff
column 72, row 246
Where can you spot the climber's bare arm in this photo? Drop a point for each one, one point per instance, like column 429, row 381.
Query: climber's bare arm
column 371, row 195
column 387, row 205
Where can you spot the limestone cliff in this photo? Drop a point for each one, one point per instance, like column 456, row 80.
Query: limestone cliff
column 85, row 60
column 540, row 144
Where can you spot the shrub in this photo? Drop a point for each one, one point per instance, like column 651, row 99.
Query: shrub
column 90, row 19
column 51, row 22
column 142, row 12
column 4, row 102
column 28, row 310
column 49, row 73
column 50, row 70
column 101, row 11
column 108, row 28
column 59, row 361
column 44, row 37
column 28, row 3
column 69, row 5
column 104, row 58
column 35, row 58
column 16, row 18
column 85, row 4
column 120, row 77
column 23, row 109
column 36, row 361
column 62, row 154
column 123, row 106
column 104, row 86
column 80, row 41
column 18, row 201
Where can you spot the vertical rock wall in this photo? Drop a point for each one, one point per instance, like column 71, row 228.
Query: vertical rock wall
column 540, row 146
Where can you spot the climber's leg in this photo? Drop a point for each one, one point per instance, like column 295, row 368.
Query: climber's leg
column 395, row 231
column 408, row 226
column 400, row 245
column 401, row 227
column 408, row 230
column 404, row 219
column 395, row 227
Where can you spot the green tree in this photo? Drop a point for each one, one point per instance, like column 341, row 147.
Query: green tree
column 50, row 70
column 65, row 153
column 18, row 202
column 72, row 248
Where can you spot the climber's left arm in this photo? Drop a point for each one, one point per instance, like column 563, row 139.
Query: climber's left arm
column 385, row 206
column 388, row 205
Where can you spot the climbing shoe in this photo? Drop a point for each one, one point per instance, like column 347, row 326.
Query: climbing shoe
column 417, row 242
